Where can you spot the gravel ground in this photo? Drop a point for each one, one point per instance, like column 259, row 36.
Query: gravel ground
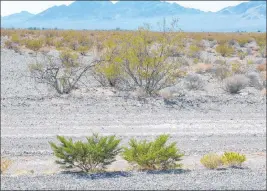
column 238, row 179
column 200, row 122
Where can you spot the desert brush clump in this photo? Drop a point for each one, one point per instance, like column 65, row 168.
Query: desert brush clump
column 235, row 83
column 233, row 159
column 91, row 156
column 211, row 161
column 5, row 164
column 194, row 82
column 225, row 50
column 34, row 44
column 154, row 155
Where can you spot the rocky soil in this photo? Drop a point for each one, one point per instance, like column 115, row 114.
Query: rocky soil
column 199, row 121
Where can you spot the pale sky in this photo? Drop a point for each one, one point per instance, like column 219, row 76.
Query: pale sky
column 11, row 7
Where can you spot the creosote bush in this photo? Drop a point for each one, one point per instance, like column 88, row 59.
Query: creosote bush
column 144, row 64
column 233, row 159
column 211, row 161
column 235, row 83
column 154, row 155
column 91, row 156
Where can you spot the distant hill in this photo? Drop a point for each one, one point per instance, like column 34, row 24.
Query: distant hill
column 248, row 16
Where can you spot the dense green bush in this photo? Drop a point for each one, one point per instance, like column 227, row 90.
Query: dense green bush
column 153, row 155
column 91, row 156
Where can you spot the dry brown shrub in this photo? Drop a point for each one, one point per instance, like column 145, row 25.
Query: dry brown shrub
column 5, row 163
column 261, row 67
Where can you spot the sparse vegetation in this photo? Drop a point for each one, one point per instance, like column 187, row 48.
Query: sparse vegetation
column 91, row 156
column 153, row 155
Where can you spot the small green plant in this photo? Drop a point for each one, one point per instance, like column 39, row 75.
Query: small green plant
column 211, row 161
column 91, row 156
column 225, row 50
column 233, row 159
column 154, row 155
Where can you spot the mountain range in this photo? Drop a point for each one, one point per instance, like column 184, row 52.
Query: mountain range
column 129, row 15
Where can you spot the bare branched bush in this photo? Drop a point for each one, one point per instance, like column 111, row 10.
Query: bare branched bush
column 235, row 83
column 62, row 74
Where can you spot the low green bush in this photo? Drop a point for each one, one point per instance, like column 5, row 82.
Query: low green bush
column 233, row 159
column 154, row 155
column 91, row 156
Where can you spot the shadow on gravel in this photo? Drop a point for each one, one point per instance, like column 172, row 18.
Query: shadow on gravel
column 104, row 175
column 175, row 171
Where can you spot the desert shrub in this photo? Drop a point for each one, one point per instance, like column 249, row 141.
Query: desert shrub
column 109, row 72
column 236, row 67
column 261, row 67
column 211, row 161
column 224, row 50
column 222, row 72
column 263, row 51
column 15, row 38
column 62, row 74
column 69, row 58
column 49, row 41
column 242, row 55
column 233, row 159
column 144, row 64
column 194, row 82
column 34, row 44
column 91, row 156
column 194, row 51
column 5, row 164
column 242, row 41
column 153, row 155
column 83, row 50
column 254, row 80
column 250, row 62
column 235, row 83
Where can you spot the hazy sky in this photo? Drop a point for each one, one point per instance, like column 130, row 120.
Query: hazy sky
column 10, row 7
